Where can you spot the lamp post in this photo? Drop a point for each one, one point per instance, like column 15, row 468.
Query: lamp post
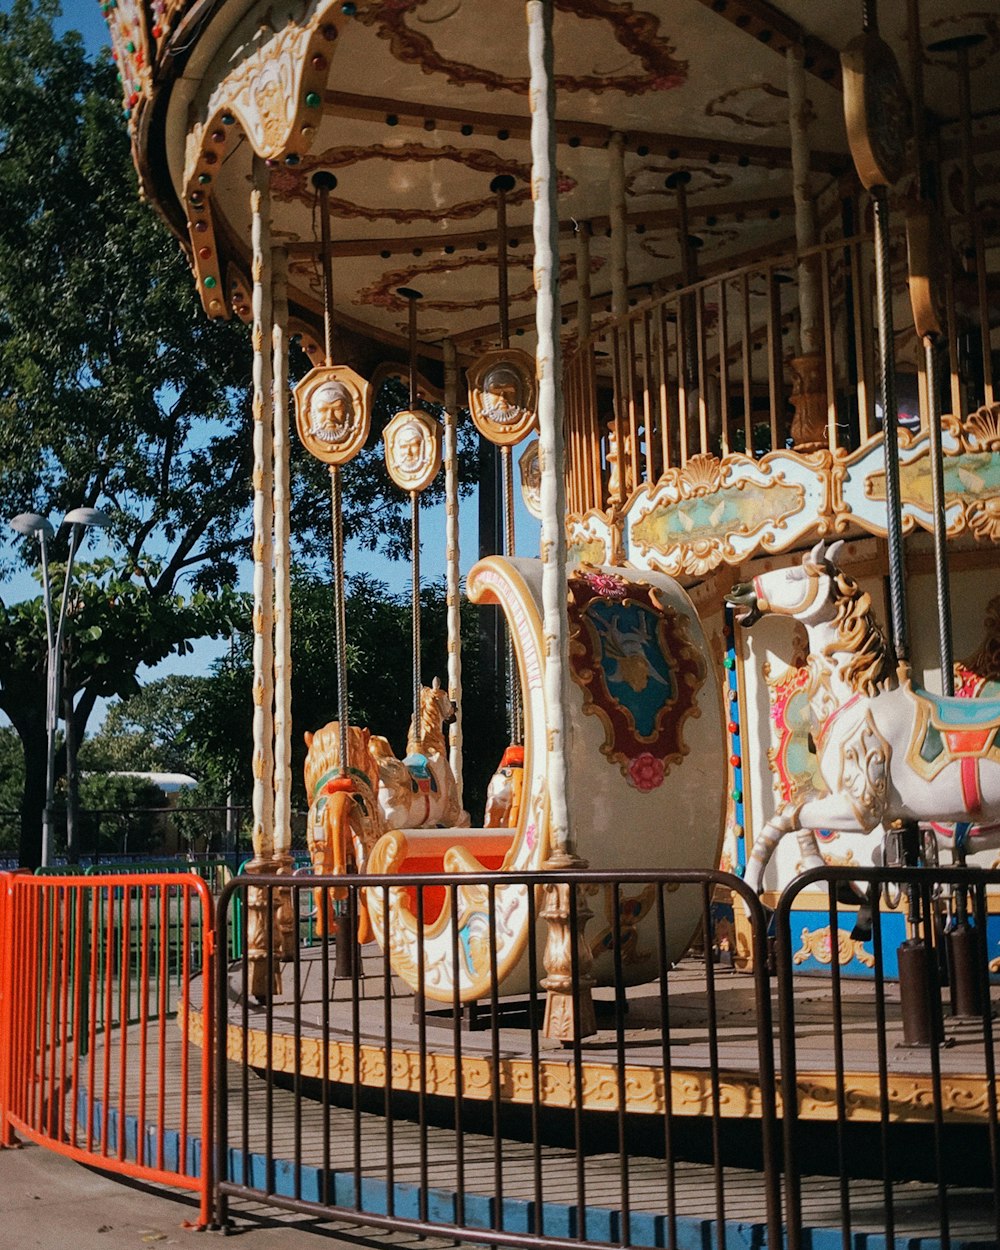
column 33, row 524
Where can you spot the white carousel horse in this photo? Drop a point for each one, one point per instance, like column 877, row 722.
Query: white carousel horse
column 344, row 818
column 885, row 750
column 420, row 791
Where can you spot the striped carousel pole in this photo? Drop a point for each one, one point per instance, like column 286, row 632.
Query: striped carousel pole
column 261, row 927
column 282, row 604
column 454, row 592
column 564, row 910
column 926, row 277
column 501, row 186
column 413, row 457
column 877, row 113
column 333, row 416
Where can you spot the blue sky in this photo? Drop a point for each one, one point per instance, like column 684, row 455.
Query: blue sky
column 85, row 16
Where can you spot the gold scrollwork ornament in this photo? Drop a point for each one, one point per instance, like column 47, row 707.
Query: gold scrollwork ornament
column 412, row 449
column 333, row 413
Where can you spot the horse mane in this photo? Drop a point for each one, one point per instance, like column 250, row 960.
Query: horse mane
column 985, row 661
column 871, row 663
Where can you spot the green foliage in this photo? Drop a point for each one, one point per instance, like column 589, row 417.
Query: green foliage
column 116, row 391
column 11, row 785
column 117, row 814
column 147, row 731
column 114, row 622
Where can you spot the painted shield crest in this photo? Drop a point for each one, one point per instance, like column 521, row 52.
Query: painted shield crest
column 640, row 673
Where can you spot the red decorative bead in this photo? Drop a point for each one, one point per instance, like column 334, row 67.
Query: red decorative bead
column 204, row 252
column 201, row 226
column 735, row 761
column 133, row 99
column 319, row 62
column 210, row 158
column 157, row 31
column 218, row 136
column 733, row 727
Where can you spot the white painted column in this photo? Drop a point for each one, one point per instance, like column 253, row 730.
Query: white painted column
column 550, row 421
column 619, row 229
column 454, row 591
column 282, row 565
column 263, row 520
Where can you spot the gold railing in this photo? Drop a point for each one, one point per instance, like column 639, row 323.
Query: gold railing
column 716, row 368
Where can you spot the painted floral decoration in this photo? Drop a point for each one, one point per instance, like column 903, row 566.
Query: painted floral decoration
column 646, row 772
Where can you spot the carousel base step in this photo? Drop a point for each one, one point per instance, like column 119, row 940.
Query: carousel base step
column 695, row 1224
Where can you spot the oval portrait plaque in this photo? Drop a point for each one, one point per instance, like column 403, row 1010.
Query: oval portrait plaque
column 412, row 449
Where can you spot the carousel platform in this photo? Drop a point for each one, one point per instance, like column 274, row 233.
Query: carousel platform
column 284, row 1144
column 265, row 1036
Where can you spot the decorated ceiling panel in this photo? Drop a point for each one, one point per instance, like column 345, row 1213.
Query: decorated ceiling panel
column 416, row 106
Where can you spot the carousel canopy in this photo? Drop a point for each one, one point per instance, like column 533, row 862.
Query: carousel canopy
column 416, row 106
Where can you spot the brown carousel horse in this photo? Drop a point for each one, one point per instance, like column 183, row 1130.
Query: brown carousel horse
column 344, row 818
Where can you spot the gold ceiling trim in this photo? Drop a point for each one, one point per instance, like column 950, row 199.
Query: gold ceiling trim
column 637, row 32
column 273, row 98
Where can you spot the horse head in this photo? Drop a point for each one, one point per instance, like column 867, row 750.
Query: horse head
column 433, row 698
column 803, row 591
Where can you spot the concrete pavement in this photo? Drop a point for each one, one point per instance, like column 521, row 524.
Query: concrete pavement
column 48, row 1202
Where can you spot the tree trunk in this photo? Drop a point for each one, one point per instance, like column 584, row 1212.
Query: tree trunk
column 32, row 737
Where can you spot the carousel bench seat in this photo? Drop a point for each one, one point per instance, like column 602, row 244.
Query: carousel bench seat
column 426, row 849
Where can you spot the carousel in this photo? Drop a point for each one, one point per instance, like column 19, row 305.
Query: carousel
column 681, row 273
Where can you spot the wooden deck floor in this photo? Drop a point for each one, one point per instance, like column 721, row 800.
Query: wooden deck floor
column 340, row 1145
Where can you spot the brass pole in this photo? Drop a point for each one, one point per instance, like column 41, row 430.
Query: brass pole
column 961, row 45
column 501, row 186
column 324, row 182
column 411, row 296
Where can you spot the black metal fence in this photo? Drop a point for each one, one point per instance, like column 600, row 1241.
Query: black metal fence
column 711, row 1106
column 120, row 834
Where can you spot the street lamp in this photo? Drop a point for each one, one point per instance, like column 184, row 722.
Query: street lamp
column 33, row 524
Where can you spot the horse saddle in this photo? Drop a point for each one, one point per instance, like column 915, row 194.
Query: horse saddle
column 949, row 729
column 421, row 777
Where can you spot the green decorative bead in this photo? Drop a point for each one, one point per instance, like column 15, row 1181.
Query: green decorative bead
column 737, row 796
column 211, row 282
column 728, row 662
column 204, row 178
column 313, row 100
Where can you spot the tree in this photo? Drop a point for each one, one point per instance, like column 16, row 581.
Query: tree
column 115, row 390
column 114, row 624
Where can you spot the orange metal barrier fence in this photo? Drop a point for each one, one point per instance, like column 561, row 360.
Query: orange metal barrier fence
column 96, row 1060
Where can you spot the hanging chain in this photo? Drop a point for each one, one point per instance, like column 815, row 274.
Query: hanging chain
column 339, row 612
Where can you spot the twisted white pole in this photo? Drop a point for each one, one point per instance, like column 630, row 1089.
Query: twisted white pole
column 263, row 520
column 282, row 571
column 550, row 420
column 454, row 593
